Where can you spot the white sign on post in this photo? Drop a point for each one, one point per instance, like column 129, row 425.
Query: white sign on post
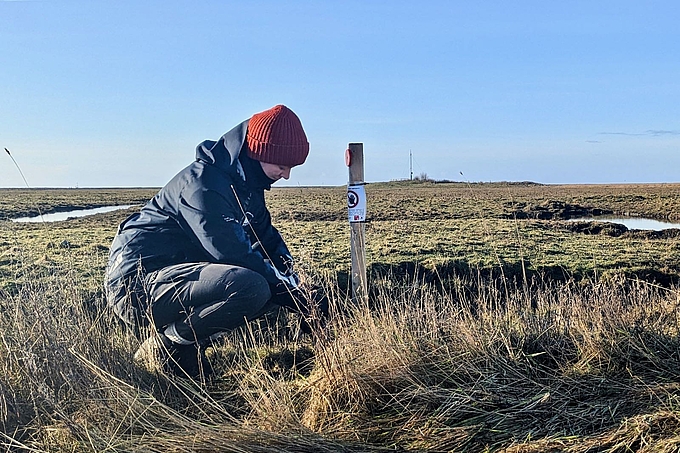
column 356, row 203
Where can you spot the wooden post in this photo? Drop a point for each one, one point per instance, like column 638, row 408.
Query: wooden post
column 356, row 203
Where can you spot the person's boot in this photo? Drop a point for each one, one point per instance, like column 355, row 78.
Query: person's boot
column 189, row 361
column 153, row 353
column 158, row 353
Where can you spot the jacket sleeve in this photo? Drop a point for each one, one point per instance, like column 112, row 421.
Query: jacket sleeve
column 212, row 219
column 270, row 239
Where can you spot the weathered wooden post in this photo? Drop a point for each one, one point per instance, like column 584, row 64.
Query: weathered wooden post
column 356, row 208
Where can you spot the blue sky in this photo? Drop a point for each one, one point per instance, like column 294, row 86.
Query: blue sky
column 118, row 93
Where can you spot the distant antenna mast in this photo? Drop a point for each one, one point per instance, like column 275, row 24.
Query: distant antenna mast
column 410, row 163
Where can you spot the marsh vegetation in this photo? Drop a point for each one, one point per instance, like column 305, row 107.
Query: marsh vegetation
column 493, row 324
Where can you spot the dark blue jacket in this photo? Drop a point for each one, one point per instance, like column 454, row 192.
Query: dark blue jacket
column 211, row 211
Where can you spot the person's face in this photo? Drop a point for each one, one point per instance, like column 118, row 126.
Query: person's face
column 275, row 171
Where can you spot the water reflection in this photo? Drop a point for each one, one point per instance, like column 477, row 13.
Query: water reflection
column 59, row 216
column 632, row 223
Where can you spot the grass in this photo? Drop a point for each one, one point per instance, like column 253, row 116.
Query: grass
column 451, row 353
column 437, row 227
column 488, row 226
column 33, row 202
column 416, row 370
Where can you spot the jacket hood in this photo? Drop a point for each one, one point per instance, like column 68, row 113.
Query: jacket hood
column 224, row 152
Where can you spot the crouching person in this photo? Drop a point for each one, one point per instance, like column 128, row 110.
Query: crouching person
column 202, row 256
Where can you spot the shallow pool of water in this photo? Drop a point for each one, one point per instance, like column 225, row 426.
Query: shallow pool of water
column 632, row 223
column 59, row 216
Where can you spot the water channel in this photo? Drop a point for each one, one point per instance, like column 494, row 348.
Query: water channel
column 59, row 216
column 632, row 223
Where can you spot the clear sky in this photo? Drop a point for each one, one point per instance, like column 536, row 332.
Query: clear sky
column 102, row 93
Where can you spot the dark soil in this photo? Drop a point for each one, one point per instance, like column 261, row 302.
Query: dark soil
column 552, row 210
column 605, row 228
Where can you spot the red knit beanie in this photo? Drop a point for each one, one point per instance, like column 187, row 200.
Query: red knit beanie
column 275, row 136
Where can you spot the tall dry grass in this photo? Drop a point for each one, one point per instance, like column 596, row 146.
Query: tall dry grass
column 484, row 366
column 456, row 373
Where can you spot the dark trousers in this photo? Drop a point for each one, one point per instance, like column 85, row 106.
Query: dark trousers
column 204, row 299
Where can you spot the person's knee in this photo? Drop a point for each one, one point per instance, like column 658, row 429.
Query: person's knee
column 212, row 297
column 252, row 286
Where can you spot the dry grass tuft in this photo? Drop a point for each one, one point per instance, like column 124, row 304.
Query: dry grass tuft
column 486, row 367
column 426, row 371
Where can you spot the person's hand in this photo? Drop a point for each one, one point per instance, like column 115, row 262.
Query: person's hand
column 310, row 302
column 290, row 278
column 314, row 310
